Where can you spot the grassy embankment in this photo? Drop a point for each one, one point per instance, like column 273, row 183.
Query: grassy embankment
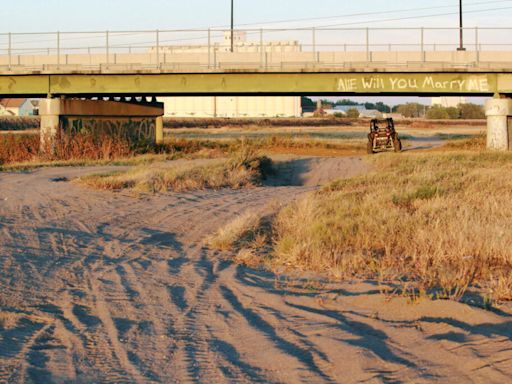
column 243, row 168
column 435, row 223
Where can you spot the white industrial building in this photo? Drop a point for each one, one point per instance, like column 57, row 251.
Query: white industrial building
column 240, row 45
column 237, row 106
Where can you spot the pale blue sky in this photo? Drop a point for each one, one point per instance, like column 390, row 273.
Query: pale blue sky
column 65, row 15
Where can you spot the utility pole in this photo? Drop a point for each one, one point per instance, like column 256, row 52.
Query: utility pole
column 233, row 24
column 461, row 29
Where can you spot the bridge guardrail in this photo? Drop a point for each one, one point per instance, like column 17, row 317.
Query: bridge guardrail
column 254, row 49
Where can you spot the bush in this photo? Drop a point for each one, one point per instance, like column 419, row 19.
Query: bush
column 462, row 111
column 352, row 113
column 437, row 112
column 410, row 110
column 471, row 111
column 453, row 112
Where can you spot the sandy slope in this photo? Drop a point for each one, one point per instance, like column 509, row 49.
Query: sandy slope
column 105, row 287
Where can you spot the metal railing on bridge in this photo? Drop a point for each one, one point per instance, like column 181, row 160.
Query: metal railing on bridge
column 255, row 49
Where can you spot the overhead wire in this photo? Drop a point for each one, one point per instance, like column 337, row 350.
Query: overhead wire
column 114, row 34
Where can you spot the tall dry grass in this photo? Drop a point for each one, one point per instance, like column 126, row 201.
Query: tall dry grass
column 19, row 123
column 18, row 148
column 477, row 143
column 22, row 150
column 439, row 223
column 15, row 148
column 243, row 168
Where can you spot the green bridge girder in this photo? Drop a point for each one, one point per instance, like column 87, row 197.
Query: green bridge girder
column 407, row 83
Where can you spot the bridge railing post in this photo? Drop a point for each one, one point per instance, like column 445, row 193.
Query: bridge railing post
column 313, row 30
column 209, row 47
column 157, row 48
column 477, row 50
column 367, row 44
column 261, row 48
column 107, row 47
column 9, row 49
column 422, row 43
column 58, row 49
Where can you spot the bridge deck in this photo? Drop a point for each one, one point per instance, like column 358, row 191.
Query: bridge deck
column 235, row 83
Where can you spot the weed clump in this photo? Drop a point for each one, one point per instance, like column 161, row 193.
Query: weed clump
column 243, row 168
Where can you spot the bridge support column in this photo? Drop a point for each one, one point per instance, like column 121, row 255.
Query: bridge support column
column 49, row 110
column 499, row 128
column 159, row 134
column 133, row 121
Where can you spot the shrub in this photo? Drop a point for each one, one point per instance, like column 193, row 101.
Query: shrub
column 471, row 111
column 352, row 113
column 410, row 110
column 437, row 112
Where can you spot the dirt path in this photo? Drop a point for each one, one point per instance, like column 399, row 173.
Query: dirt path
column 106, row 287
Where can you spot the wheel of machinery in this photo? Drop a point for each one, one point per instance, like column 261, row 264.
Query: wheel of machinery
column 369, row 148
column 397, row 143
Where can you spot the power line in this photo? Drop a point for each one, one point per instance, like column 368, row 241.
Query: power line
column 410, row 17
column 315, row 26
column 370, row 21
column 366, row 13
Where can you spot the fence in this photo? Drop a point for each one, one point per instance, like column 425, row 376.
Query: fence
column 252, row 48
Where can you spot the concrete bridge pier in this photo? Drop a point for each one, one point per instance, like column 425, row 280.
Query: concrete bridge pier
column 136, row 121
column 499, row 124
column 49, row 112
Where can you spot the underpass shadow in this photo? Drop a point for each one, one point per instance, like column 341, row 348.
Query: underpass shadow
column 289, row 173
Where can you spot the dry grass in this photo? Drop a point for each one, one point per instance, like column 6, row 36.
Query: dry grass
column 438, row 223
column 237, row 233
column 244, row 168
column 18, row 148
column 253, row 122
column 477, row 143
column 8, row 320
column 25, row 148
column 21, row 151
column 311, row 146
column 273, row 144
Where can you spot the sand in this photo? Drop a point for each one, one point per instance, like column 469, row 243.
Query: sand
column 112, row 288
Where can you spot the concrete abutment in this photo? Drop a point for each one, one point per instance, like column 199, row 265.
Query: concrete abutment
column 138, row 122
column 499, row 124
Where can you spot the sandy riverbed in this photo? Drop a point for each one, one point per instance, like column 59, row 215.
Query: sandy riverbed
column 108, row 287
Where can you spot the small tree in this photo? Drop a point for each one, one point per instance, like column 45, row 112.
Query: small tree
column 453, row 113
column 352, row 113
column 411, row 109
column 437, row 112
column 471, row 111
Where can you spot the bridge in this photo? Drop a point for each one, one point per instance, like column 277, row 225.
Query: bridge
column 302, row 61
